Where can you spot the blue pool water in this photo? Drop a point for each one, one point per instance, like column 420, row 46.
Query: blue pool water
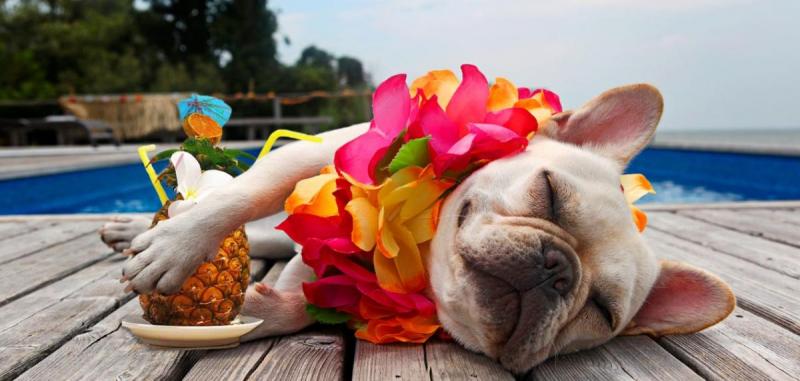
column 678, row 176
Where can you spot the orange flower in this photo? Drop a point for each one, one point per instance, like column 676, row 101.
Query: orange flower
column 541, row 103
column 442, row 83
column 635, row 186
column 314, row 195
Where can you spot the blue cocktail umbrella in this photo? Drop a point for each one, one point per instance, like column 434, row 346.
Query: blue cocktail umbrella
column 212, row 107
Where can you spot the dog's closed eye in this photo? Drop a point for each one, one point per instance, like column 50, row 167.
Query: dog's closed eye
column 602, row 307
column 543, row 197
column 464, row 211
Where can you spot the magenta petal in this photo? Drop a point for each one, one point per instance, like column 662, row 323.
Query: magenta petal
column 552, row 99
column 301, row 227
column 332, row 292
column 515, row 119
column 469, row 101
column 493, row 142
column 390, row 105
column 434, row 122
column 353, row 270
column 456, row 157
column 524, row 92
column 359, row 157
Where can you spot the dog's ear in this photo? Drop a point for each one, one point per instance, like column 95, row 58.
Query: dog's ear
column 618, row 123
column 684, row 299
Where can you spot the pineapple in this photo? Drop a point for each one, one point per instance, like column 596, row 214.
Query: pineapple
column 213, row 295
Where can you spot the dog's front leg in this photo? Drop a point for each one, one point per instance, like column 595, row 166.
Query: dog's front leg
column 282, row 306
column 168, row 253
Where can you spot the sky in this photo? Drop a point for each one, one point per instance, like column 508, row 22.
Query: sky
column 720, row 64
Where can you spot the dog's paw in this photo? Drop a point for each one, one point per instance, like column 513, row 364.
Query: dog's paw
column 283, row 311
column 119, row 233
column 164, row 256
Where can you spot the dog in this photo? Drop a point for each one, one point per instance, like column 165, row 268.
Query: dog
column 535, row 254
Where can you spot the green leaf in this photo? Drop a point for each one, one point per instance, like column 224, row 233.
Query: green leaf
column 235, row 153
column 163, row 155
column 414, row 152
column 327, row 315
column 382, row 169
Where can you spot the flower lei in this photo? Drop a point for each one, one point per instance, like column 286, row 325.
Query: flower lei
column 366, row 222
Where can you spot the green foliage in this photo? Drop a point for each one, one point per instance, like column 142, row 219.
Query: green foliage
column 326, row 315
column 414, row 152
column 208, row 155
column 55, row 47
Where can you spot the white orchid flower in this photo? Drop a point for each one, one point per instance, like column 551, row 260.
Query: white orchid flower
column 193, row 184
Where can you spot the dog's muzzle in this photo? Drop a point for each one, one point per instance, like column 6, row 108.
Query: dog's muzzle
column 522, row 274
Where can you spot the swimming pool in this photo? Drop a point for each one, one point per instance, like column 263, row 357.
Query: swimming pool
column 679, row 176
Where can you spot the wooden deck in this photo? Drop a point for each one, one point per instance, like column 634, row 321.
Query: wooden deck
column 61, row 304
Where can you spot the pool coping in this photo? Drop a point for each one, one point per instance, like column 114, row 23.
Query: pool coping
column 735, row 148
column 111, row 157
column 646, row 207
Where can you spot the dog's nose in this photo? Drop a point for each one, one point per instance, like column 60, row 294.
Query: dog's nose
column 544, row 266
column 556, row 262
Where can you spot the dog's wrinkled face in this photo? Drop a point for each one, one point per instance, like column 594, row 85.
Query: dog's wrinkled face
column 537, row 254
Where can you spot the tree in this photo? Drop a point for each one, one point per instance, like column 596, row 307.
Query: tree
column 350, row 72
column 56, row 47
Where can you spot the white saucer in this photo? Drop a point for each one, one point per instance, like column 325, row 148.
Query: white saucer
column 206, row 337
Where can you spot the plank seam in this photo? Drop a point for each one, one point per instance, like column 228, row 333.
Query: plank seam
column 119, row 324
column 748, row 232
column 261, row 358
column 33, row 229
column 617, row 361
column 745, row 303
column 54, row 280
column 54, row 244
column 58, row 344
column 712, row 248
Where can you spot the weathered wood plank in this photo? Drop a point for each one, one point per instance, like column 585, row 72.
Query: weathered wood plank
column 30, row 340
column 31, row 272
column 34, row 325
column 108, row 352
column 40, row 239
column 128, row 359
column 449, row 361
column 742, row 221
column 770, row 254
column 389, row 362
column 99, row 279
column 235, row 363
column 786, row 216
column 10, row 229
column 623, row 358
column 763, row 291
column 315, row 354
column 742, row 347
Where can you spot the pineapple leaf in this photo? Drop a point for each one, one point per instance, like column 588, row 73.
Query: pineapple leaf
column 163, row 155
column 234, row 153
column 327, row 315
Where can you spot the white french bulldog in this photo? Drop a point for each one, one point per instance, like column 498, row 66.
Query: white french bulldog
column 535, row 254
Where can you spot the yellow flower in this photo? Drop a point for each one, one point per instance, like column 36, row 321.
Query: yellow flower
column 396, row 220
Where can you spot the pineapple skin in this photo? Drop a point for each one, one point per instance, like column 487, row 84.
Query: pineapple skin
column 213, row 295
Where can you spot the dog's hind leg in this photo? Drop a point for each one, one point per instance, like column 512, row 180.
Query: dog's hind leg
column 267, row 242
column 282, row 306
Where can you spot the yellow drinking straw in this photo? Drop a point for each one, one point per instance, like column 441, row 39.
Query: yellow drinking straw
column 143, row 150
column 285, row 134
